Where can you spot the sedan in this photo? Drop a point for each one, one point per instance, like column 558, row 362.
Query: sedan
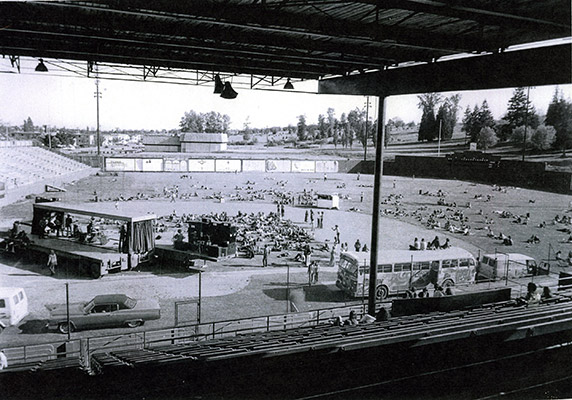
column 103, row 311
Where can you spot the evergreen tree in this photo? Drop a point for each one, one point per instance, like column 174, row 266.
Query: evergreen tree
column 447, row 116
column 559, row 116
column 428, row 128
column 474, row 121
column 520, row 111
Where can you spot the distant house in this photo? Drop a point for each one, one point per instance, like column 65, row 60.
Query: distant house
column 186, row 143
column 161, row 144
column 203, row 142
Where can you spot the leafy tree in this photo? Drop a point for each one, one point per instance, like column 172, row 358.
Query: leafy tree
column 28, row 125
column 331, row 122
column 356, row 121
column 247, row 132
column 211, row 122
column 322, row 127
column 517, row 136
column 520, row 111
column 543, row 137
column 559, row 116
column 192, row 122
column 302, row 127
column 486, row 138
column 344, row 130
column 428, row 128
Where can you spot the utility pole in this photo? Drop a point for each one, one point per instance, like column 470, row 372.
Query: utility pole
column 97, row 97
column 366, row 121
column 439, row 142
column 525, row 124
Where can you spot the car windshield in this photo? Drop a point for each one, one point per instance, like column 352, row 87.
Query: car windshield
column 88, row 306
column 130, row 303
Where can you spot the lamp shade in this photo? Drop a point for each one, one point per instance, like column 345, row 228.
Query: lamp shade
column 218, row 85
column 228, row 92
column 41, row 67
column 288, row 85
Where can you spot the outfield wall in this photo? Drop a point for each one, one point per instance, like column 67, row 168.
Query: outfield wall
column 171, row 164
column 531, row 175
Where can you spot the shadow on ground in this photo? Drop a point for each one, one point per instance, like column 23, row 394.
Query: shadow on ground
column 302, row 292
column 34, row 326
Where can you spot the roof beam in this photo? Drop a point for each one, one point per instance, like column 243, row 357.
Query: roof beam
column 533, row 67
column 494, row 14
column 266, row 20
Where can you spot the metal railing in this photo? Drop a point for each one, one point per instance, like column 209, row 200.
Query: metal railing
column 31, row 355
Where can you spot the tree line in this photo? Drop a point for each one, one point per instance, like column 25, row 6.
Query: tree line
column 343, row 131
column 521, row 125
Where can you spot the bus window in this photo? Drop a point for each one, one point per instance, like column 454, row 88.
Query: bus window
column 465, row 262
column 416, row 266
column 384, row 268
column 402, row 267
column 449, row 263
column 425, row 265
column 472, row 262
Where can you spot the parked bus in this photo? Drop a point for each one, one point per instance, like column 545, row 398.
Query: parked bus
column 399, row 270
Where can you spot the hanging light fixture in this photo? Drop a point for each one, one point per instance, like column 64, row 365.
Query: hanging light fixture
column 288, row 85
column 41, row 67
column 228, row 92
column 218, row 85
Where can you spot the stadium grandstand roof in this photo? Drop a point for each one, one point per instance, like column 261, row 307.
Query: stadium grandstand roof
column 272, row 40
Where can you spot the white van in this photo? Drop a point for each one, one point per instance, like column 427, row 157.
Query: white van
column 13, row 306
column 506, row 265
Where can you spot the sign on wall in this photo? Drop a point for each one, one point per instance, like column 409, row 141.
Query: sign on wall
column 201, row 165
column 253, row 166
column 176, row 165
column 303, row 166
column 327, row 166
column 228, row 166
column 278, row 166
column 120, row 164
column 152, row 164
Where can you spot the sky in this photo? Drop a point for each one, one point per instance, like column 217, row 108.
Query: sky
column 70, row 102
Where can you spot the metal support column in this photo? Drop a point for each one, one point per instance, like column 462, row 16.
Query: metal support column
column 376, row 199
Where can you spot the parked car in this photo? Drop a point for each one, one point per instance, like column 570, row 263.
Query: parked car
column 103, row 311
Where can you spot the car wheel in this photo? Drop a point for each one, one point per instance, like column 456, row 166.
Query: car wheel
column 64, row 328
column 134, row 324
column 381, row 292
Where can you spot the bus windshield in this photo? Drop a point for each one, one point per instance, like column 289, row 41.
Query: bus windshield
column 348, row 265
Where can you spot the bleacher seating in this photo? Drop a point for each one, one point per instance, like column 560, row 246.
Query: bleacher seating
column 26, row 165
column 425, row 328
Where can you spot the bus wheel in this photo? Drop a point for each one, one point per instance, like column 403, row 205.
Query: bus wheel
column 381, row 292
column 448, row 283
